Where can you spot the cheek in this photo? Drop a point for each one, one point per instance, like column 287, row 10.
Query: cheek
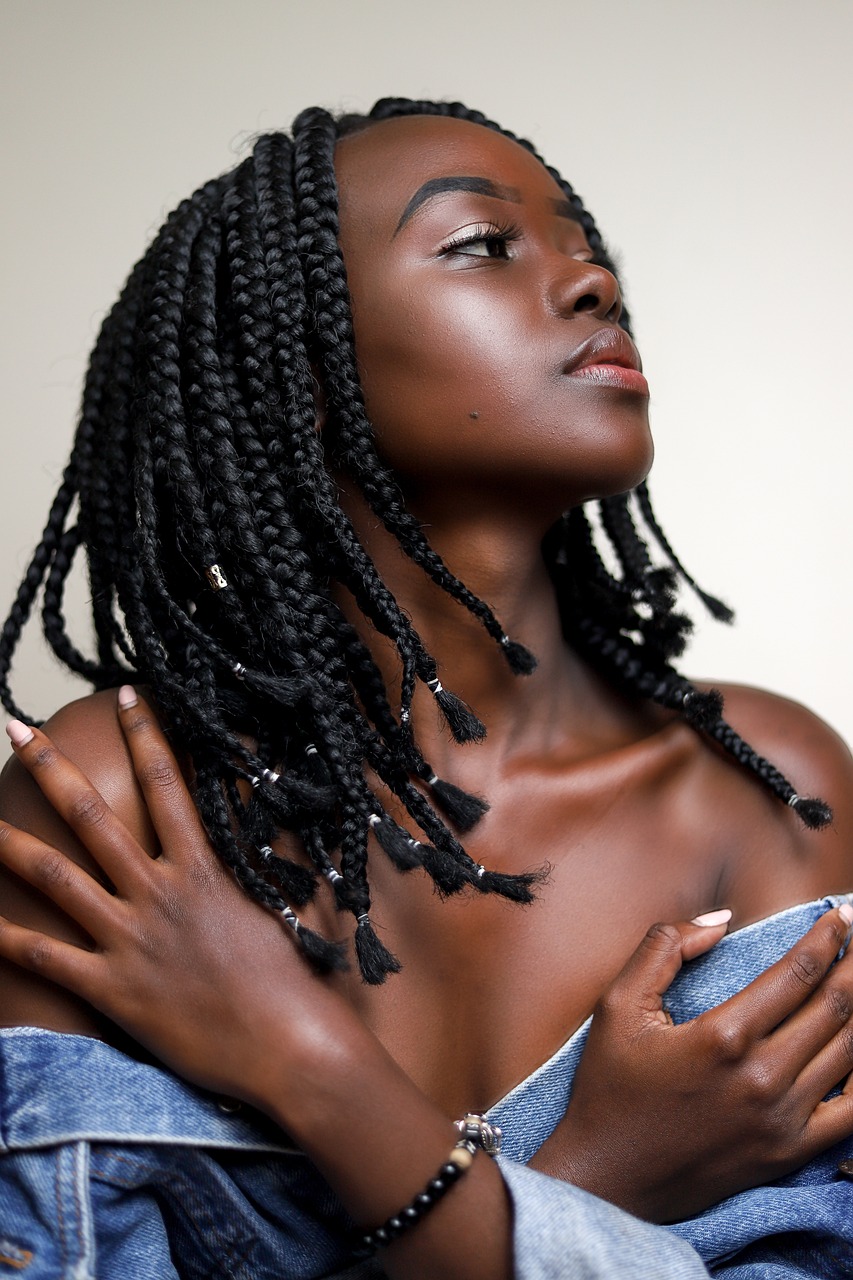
column 422, row 366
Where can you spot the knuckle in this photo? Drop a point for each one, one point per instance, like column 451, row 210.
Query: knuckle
column 837, row 935
column 159, row 773
column 729, row 1039
column 663, row 935
column 44, row 756
column 87, row 809
column 845, row 1043
column 839, row 1004
column 51, row 869
column 38, row 953
column 609, row 1003
column 807, row 968
column 760, row 1082
column 138, row 722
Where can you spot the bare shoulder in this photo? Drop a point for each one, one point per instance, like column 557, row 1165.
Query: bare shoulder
column 787, row 862
column 87, row 731
column 803, row 746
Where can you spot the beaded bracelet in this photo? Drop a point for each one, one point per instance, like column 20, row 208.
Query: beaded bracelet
column 458, row 1163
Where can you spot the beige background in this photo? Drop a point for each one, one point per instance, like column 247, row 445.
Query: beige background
column 711, row 141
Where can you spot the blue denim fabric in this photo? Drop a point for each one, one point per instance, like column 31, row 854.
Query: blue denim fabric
column 115, row 1169
column 801, row 1225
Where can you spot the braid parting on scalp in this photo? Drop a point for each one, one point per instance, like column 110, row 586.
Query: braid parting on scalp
column 207, row 504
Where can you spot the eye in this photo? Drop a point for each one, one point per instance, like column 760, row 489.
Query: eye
column 484, row 240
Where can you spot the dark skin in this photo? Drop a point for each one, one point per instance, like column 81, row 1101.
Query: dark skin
column 638, row 818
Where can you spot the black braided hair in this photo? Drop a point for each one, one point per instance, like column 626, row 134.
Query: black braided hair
column 204, row 498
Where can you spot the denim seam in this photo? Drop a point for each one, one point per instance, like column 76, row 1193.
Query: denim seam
column 183, row 1198
column 152, row 1140
column 85, row 1265
column 79, row 1233
column 60, row 1216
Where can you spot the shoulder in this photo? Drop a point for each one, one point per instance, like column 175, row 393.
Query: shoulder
column 777, row 861
column 812, row 755
column 87, row 731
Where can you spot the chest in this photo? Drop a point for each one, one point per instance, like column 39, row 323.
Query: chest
column 489, row 989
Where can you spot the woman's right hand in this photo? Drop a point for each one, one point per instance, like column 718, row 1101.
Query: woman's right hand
column 666, row 1120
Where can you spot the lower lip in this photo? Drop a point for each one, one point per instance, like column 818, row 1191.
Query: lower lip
column 613, row 375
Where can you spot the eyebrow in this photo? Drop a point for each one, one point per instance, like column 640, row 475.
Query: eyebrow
column 478, row 187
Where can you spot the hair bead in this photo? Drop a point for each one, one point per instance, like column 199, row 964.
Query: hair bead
column 374, row 959
column 462, row 807
column 216, row 577
column 461, row 721
column 396, row 842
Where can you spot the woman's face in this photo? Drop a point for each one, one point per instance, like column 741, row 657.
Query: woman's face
column 488, row 343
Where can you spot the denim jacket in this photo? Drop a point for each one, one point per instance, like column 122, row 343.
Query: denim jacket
column 115, row 1169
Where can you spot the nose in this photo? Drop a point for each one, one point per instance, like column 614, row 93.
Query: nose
column 580, row 287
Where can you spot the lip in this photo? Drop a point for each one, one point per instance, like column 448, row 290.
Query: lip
column 608, row 359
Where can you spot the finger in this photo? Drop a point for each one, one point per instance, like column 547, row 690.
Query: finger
column 82, row 807
column 791, row 981
column 641, row 985
column 69, row 966
column 829, row 1066
column 59, row 878
column 830, row 1122
column 825, row 1016
column 170, row 805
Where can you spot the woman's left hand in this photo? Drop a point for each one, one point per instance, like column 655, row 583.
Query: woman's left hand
column 182, row 959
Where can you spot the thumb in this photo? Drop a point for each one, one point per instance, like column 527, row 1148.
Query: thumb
column 652, row 967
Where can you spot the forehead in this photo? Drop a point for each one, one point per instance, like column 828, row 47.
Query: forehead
column 381, row 168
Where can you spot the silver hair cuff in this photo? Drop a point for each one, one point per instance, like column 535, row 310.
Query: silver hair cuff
column 216, row 577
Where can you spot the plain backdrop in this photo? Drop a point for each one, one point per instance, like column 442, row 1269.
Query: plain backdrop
column 710, row 140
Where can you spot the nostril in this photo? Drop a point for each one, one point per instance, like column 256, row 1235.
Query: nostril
column 588, row 302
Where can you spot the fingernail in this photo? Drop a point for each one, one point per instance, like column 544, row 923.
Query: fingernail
column 713, row 917
column 19, row 733
column 845, row 911
column 127, row 697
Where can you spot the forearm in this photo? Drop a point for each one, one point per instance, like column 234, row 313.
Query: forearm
column 378, row 1141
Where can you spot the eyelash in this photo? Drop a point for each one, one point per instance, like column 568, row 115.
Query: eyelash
column 483, row 232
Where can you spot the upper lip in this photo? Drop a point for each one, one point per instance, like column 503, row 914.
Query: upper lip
column 605, row 346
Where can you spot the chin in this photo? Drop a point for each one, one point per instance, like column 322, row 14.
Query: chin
column 618, row 468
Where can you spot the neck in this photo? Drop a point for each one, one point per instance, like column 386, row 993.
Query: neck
column 500, row 561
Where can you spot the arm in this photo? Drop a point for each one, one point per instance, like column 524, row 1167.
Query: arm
column 89, row 732
column 295, row 1050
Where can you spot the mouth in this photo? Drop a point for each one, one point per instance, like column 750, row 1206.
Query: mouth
column 608, row 358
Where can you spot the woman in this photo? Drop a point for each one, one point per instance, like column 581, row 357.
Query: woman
column 244, row 533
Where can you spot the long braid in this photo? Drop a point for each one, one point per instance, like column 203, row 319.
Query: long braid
column 205, row 498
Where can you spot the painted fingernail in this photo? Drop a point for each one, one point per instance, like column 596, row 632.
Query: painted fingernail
column 127, row 697
column 713, row 917
column 19, row 733
column 846, row 912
